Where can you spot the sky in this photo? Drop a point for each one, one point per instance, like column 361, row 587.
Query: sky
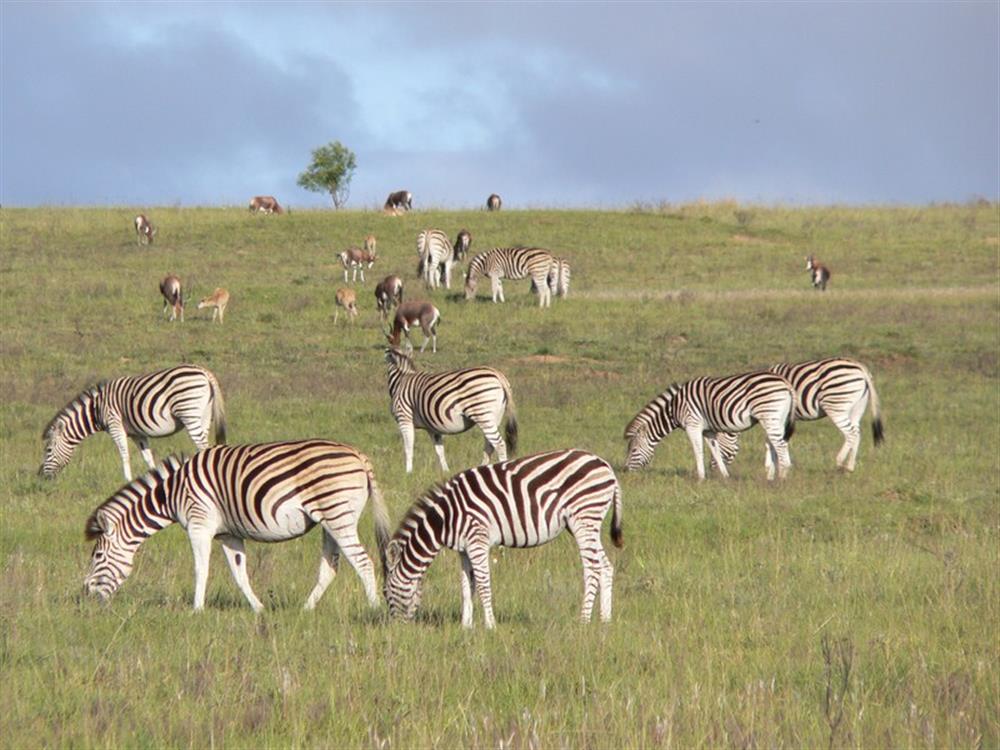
column 547, row 104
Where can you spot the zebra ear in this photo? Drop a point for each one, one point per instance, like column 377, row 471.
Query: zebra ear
column 93, row 528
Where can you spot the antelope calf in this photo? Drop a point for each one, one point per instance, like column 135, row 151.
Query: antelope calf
column 347, row 299
column 170, row 288
column 357, row 259
column 388, row 292
column 413, row 313
column 819, row 273
column 144, row 231
column 265, row 204
column 462, row 244
column 370, row 243
column 218, row 302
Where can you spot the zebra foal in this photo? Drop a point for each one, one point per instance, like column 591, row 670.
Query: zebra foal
column 268, row 493
column 511, row 263
column 141, row 407
column 524, row 502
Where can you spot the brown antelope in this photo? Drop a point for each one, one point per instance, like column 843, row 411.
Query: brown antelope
column 218, row 302
column 819, row 273
column 388, row 292
column 413, row 313
column 265, row 204
column 144, row 230
column 173, row 297
column 462, row 244
column 401, row 200
column 357, row 259
column 347, row 299
column 493, row 202
column 370, row 243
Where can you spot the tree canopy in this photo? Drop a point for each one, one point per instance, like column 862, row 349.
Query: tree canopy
column 330, row 172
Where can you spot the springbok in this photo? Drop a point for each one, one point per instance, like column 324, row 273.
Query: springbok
column 347, row 299
column 388, row 292
column 462, row 244
column 370, row 243
column 173, row 297
column 357, row 259
column 218, row 302
column 401, row 200
column 493, row 202
column 265, row 204
column 819, row 273
column 413, row 313
column 144, row 230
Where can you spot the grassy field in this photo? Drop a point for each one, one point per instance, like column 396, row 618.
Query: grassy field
column 828, row 611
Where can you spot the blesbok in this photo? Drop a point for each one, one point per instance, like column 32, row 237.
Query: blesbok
column 357, row 259
column 173, row 296
column 401, row 200
column 819, row 273
column 370, row 243
column 493, row 202
column 144, row 230
column 265, row 204
column 388, row 292
column 218, row 302
column 463, row 242
column 347, row 299
column 414, row 313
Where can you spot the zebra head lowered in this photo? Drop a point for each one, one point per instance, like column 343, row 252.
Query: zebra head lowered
column 656, row 420
column 72, row 424
column 401, row 587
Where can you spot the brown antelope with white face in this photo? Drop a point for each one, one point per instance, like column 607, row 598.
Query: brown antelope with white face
column 414, row 313
column 388, row 292
column 173, row 297
column 265, row 204
column 218, row 302
column 370, row 243
column 818, row 273
column 357, row 259
column 144, row 230
column 348, row 300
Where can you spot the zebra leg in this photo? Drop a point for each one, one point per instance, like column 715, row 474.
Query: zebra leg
column 695, row 436
column 197, row 427
column 850, row 425
column 327, row 569
column 406, row 430
column 236, row 556
column 607, row 579
column 350, row 545
column 493, row 441
column 717, row 460
column 117, row 434
column 777, row 452
column 468, row 589
column 479, row 558
column 147, row 454
column 447, row 275
column 497, row 288
column 592, row 556
column 201, row 546
column 439, row 449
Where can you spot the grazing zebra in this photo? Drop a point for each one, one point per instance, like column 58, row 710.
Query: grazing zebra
column 435, row 250
column 448, row 403
column 493, row 203
column 511, row 263
column 524, row 502
column 818, row 273
column 267, row 493
column 837, row 388
column 711, row 406
column 140, row 407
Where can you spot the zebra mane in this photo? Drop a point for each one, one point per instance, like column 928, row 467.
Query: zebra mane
column 642, row 418
column 138, row 486
column 395, row 351
column 419, row 508
column 91, row 391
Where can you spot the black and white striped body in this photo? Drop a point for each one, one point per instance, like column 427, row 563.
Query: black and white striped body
column 449, row 403
column 524, row 502
column 436, row 255
column 268, row 493
column 705, row 407
column 140, row 407
column 511, row 263
column 558, row 278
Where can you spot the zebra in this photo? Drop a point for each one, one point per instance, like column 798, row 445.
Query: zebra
column 435, row 249
column 449, row 403
column 270, row 492
column 139, row 407
column 511, row 263
column 837, row 388
column 524, row 502
column 558, row 278
column 708, row 407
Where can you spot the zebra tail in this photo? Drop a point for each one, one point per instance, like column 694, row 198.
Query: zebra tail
column 878, row 434
column 616, row 518
column 381, row 517
column 510, row 430
column 218, row 411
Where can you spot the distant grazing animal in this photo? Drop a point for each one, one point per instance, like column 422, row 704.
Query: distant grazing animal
column 463, row 243
column 144, row 231
column 173, row 296
column 818, row 273
column 370, row 243
column 357, row 259
column 268, row 493
column 708, row 406
column 511, row 263
column 401, row 200
column 347, row 299
column 525, row 502
column 388, row 292
column 493, row 202
column 265, row 204
column 436, row 257
column 416, row 312
column 449, row 403
column 218, row 302
column 140, row 407
column 558, row 278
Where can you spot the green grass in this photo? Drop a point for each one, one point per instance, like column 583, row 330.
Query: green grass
column 724, row 594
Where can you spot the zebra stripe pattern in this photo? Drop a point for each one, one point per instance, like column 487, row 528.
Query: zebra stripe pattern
column 141, row 407
column 511, row 263
column 436, row 254
column 525, row 502
column 448, row 403
column 267, row 493
column 710, row 406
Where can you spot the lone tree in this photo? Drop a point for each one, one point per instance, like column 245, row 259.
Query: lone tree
column 330, row 172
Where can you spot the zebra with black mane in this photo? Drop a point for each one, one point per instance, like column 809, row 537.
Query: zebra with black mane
column 140, row 407
column 449, row 403
column 511, row 263
column 524, row 502
column 437, row 255
column 267, row 493
column 707, row 407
